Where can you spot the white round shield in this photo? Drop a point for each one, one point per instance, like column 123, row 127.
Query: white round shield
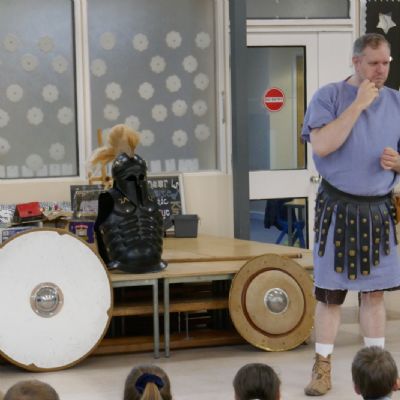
column 55, row 300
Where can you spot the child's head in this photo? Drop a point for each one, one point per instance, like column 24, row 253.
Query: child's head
column 374, row 372
column 256, row 381
column 31, row 390
column 147, row 382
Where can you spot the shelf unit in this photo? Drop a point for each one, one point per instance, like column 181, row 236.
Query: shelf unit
column 186, row 301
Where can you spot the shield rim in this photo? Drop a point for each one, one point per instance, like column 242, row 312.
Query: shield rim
column 237, row 295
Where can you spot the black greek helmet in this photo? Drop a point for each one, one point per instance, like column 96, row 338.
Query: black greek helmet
column 130, row 178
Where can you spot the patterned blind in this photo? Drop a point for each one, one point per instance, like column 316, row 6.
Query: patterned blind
column 38, row 130
column 152, row 66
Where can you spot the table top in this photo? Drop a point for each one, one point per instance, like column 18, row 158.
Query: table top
column 213, row 248
column 211, row 255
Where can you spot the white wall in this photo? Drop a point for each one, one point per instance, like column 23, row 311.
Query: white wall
column 334, row 56
column 210, row 196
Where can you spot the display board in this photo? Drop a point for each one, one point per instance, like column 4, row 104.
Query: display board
column 168, row 190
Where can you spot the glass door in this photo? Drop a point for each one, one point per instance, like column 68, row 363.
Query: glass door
column 282, row 75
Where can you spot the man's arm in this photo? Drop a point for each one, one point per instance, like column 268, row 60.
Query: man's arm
column 330, row 137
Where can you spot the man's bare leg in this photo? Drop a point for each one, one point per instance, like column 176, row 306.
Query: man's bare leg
column 327, row 322
column 373, row 318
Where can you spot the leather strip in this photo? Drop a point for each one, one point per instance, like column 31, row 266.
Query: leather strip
column 385, row 228
column 364, row 238
column 351, row 241
column 392, row 212
column 376, row 233
column 319, row 207
column 339, row 236
column 325, row 223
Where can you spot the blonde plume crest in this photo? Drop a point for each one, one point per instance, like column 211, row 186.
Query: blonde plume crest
column 121, row 139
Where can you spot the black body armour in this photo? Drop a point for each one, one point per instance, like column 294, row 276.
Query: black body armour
column 129, row 227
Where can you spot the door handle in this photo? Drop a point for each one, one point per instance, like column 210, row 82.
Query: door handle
column 315, row 179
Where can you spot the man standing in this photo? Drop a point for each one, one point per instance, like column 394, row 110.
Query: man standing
column 354, row 130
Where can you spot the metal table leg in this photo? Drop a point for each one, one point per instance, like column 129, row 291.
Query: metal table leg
column 156, row 326
column 166, row 318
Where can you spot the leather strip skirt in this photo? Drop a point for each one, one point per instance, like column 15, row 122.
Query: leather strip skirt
column 362, row 228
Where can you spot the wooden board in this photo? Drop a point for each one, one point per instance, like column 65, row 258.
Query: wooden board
column 212, row 248
column 201, row 268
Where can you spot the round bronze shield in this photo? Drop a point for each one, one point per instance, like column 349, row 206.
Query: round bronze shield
column 55, row 300
column 271, row 303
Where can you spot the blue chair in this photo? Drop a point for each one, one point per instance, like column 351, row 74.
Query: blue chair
column 297, row 232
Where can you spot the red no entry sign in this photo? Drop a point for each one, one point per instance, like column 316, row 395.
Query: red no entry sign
column 274, row 99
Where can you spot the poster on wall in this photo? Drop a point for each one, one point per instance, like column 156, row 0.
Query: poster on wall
column 168, row 190
column 84, row 200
